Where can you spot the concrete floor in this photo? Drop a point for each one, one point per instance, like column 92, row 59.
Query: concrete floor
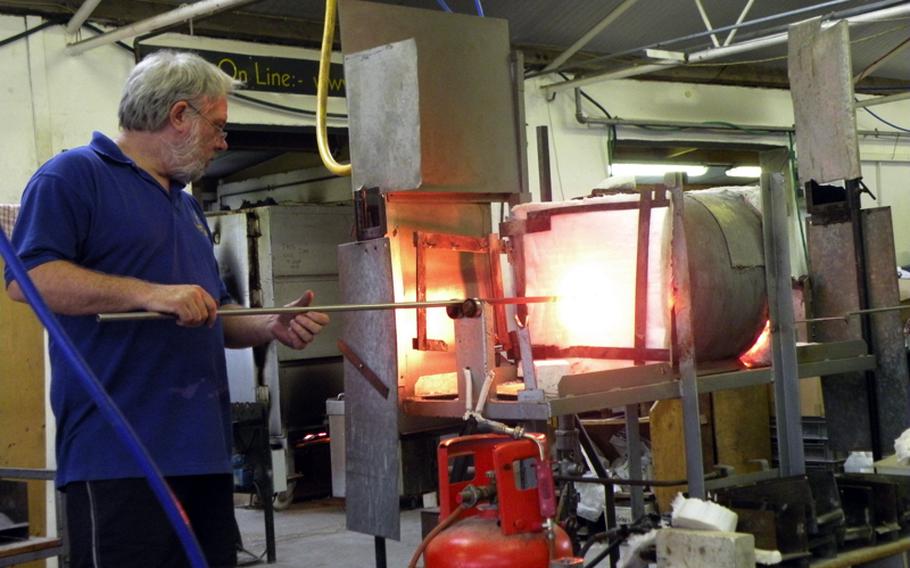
column 312, row 534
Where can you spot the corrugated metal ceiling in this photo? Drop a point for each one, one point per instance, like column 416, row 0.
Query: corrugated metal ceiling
column 558, row 24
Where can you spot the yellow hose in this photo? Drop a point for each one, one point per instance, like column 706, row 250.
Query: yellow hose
column 322, row 93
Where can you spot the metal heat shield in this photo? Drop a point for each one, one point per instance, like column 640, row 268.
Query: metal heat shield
column 371, row 420
column 466, row 124
column 393, row 118
column 834, row 293
column 821, row 87
column 892, row 387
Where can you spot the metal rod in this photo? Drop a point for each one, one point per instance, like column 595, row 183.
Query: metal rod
column 739, row 21
column 611, row 481
column 145, row 316
column 707, row 21
column 854, row 313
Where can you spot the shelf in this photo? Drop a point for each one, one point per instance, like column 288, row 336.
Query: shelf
column 646, row 383
column 33, row 548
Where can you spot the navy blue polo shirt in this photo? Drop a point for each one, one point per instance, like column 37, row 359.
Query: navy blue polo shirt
column 95, row 207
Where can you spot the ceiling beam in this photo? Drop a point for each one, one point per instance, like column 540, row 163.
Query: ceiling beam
column 239, row 24
column 81, row 15
column 713, row 54
column 881, row 60
column 185, row 14
column 591, row 34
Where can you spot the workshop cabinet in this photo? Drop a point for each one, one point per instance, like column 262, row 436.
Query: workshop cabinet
column 268, row 256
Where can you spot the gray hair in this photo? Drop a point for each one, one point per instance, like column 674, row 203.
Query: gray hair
column 163, row 78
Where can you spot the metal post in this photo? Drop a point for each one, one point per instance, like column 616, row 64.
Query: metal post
column 853, row 203
column 380, row 551
column 685, row 355
column 633, row 439
column 517, row 60
column 780, row 307
column 587, row 445
column 543, row 164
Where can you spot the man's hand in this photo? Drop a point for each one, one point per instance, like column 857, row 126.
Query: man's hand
column 297, row 331
column 72, row 290
column 192, row 305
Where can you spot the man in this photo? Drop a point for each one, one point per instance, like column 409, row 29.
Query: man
column 107, row 227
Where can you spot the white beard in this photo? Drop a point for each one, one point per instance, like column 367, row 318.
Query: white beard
column 187, row 163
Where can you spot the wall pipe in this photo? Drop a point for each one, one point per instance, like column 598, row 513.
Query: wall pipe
column 582, row 118
column 322, row 94
column 106, row 406
column 186, row 12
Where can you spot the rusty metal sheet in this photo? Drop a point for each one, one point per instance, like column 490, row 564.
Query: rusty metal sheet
column 467, row 114
column 821, row 86
column 892, row 388
column 371, row 420
column 834, row 293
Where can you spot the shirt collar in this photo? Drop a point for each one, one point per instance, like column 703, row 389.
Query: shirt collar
column 103, row 145
column 106, row 147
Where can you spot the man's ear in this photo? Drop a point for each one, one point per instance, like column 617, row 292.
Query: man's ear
column 179, row 117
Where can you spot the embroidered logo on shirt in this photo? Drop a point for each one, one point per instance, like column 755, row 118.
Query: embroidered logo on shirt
column 202, row 230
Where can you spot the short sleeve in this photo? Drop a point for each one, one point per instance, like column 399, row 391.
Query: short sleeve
column 53, row 222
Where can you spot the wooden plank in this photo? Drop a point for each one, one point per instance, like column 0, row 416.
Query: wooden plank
column 33, row 544
column 22, row 420
column 741, row 427
column 668, row 448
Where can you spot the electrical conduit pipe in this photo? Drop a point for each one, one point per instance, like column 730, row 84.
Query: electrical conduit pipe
column 322, row 94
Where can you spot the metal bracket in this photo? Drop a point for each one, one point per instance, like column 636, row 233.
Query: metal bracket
column 490, row 246
column 365, row 371
column 369, row 214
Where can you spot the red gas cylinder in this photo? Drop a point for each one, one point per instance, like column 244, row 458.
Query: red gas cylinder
column 508, row 531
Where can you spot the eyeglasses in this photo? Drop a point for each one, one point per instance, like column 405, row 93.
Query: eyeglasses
column 219, row 129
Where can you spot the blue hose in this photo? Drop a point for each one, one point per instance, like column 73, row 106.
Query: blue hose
column 107, row 407
column 479, row 7
column 443, row 5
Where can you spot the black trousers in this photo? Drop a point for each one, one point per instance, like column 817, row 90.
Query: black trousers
column 120, row 523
